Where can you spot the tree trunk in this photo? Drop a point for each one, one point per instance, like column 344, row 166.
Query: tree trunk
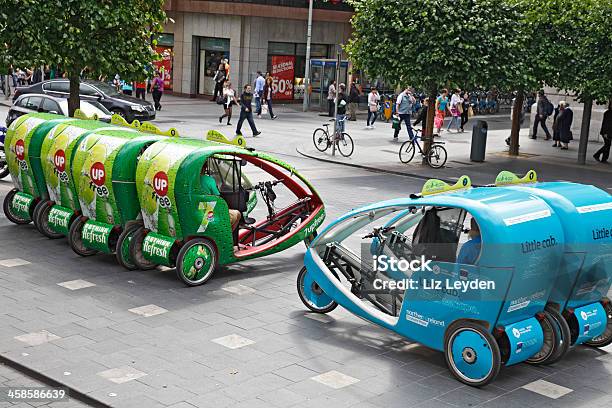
column 584, row 130
column 516, row 123
column 74, row 99
column 429, row 125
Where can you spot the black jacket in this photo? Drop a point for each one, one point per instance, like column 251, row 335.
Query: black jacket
column 564, row 120
column 245, row 101
column 341, row 107
column 354, row 95
column 606, row 124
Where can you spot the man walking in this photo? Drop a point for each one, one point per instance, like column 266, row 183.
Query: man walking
column 353, row 101
column 403, row 106
column 259, row 86
column 543, row 110
column 603, row 154
column 245, row 111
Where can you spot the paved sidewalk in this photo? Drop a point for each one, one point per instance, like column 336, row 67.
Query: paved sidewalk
column 376, row 151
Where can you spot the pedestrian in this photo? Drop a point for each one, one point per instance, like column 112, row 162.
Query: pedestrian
column 565, row 118
column 246, row 99
column 157, row 89
column 342, row 105
column 465, row 110
column 219, row 78
column 353, row 102
column 117, row 82
column 403, row 108
column 455, row 106
column 267, row 96
column 373, row 101
column 126, row 88
column 422, row 115
column 141, row 89
column 603, row 154
column 258, row 85
column 555, row 127
column 331, row 97
column 543, row 110
column 441, row 107
column 229, row 100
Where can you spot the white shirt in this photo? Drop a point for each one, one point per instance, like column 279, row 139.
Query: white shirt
column 331, row 92
column 455, row 99
column 373, row 99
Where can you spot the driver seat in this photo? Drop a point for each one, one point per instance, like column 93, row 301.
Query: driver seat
column 243, row 199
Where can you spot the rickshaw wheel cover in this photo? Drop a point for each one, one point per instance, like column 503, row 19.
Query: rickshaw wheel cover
column 197, row 261
column 307, row 287
column 483, row 353
column 6, row 206
column 551, row 341
column 40, row 219
column 606, row 338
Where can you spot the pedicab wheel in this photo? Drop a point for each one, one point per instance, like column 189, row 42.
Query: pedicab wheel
column 135, row 250
column 123, row 246
column 437, row 156
column 556, row 338
column 75, row 239
column 472, row 353
column 196, row 261
column 312, row 295
column 6, row 206
column 406, row 152
column 606, row 337
column 346, row 145
column 41, row 220
column 320, row 139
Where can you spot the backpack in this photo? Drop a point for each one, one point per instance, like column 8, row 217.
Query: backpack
column 549, row 109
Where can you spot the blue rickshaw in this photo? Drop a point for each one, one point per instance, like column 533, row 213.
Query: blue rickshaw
column 484, row 301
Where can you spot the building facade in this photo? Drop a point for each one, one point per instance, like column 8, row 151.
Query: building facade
column 267, row 36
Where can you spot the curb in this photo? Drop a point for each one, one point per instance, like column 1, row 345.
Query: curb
column 72, row 392
column 374, row 169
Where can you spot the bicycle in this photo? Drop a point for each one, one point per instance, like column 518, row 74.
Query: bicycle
column 436, row 155
column 322, row 140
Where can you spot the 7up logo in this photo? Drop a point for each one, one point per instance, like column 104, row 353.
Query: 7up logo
column 20, row 153
column 97, row 173
column 59, row 161
column 160, row 188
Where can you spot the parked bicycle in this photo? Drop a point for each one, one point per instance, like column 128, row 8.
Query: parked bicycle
column 323, row 140
column 436, row 154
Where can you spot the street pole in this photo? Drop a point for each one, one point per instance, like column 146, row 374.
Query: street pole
column 338, row 61
column 307, row 73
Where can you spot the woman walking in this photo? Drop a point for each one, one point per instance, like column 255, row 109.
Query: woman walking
column 157, row 89
column 267, row 96
column 455, row 106
column 565, row 118
column 441, row 106
column 229, row 100
column 373, row 100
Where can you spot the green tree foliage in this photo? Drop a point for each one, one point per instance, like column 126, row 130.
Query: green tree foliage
column 102, row 36
column 430, row 44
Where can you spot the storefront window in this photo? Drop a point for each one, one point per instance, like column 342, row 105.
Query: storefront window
column 211, row 52
column 287, row 64
column 165, row 49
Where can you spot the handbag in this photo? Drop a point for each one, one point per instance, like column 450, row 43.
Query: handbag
column 460, row 107
column 396, row 124
column 264, row 109
column 470, row 112
column 220, row 100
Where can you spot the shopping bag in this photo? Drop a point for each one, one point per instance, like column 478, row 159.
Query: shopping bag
column 396, row 124
column 470, row 112
column 264, row 109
